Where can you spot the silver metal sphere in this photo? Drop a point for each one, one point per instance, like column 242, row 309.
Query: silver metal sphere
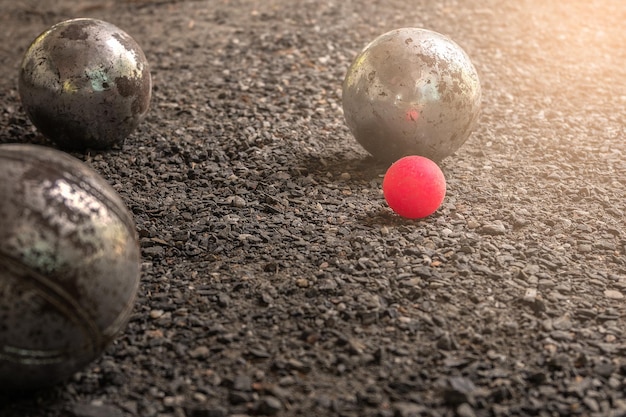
column 69, row 265
column 85, row 83
column 411, row 92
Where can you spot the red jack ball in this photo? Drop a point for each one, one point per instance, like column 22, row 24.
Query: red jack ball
column 414, row 187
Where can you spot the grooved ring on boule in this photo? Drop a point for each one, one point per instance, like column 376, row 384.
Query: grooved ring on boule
column 85, row 83
column 69, row 266
column 411, row 91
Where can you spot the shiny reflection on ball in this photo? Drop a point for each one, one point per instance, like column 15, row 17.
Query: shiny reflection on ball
column 411, row 91
column 69, row 266
column 85, row 83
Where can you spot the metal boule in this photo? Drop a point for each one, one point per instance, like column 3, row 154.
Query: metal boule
column 411, row 91
column 85, row 83
column 69, row 265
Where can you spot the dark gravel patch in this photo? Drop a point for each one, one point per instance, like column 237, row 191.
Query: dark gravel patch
column 275, row 279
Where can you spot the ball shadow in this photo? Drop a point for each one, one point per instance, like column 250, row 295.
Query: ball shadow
column 386, row 217
column 359, row 167
column 29, row 402
column 36, row 138
column 21, row 131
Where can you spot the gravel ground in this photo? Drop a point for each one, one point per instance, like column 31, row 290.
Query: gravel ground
column 276, row 281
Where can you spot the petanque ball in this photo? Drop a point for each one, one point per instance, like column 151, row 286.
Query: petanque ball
column 85, row 83
column 411, row 91
column 69, row 265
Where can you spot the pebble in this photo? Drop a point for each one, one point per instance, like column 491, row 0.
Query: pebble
column 242, row 383
column 562, row 323
column 473, row 224
column 494, row 229
column 604, row 369
column 560, row 335
column 269, row 406
column 155, row 314
column 201, row 352
column 592, row 404
column 613, row 294
column 407, row 409
column 302, row 282
column 530, row 295
column 237, row 201
column 459, row 390
column 465, row 410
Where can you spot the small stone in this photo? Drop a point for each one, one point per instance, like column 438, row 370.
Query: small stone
column 242, row 383
column 613, row 294
column 155, row 314
column 269, row 406
column 519, row 222
column 302, row 282
column 327, row 284
column 238, row 397
column 615, row 383
column 562, row 323
column 546, row 283
column 558, row 362
column 472, row 224
column 465, row 410
column 223, row 300
column 299, row 365
column 494, row 229
column 561, row 336
column 406, row 409
column 236, row 201
column 530, row 295
column 592, row 404
column 259, row 352
column 460, row 390
column 585, row 314
column 201, row 352
column 199, row 397
column 446, row 342
column 154, row 251
column 604, row 369
column 547, row 325
column 547, row 391
column 466, row 249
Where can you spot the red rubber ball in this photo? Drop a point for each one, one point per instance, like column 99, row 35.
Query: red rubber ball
column 414, row 187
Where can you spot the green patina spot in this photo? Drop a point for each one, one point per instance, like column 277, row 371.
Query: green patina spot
column 99, row 79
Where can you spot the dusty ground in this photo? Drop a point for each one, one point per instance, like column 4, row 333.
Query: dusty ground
column 275, row 279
